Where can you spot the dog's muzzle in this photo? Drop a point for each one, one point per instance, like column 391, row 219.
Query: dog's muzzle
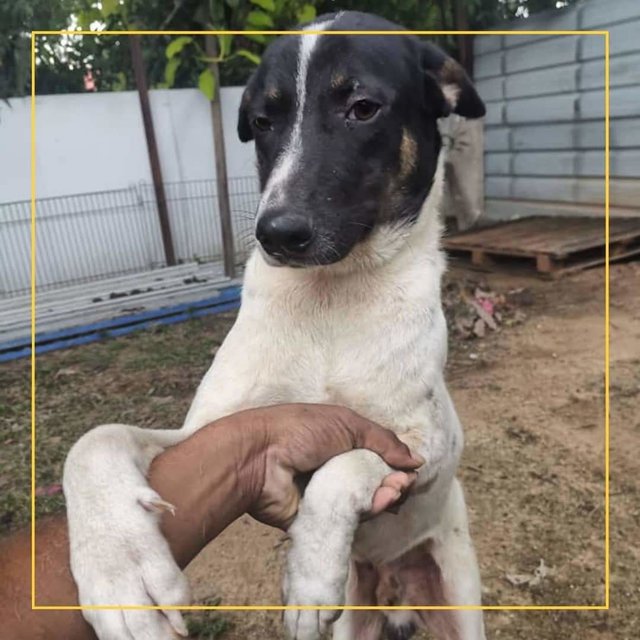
column 284, row 235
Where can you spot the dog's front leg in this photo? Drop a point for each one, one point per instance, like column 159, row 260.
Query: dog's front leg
column 322, row 535
column 118, row 554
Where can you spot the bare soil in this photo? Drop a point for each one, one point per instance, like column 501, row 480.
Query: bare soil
column 531, row 397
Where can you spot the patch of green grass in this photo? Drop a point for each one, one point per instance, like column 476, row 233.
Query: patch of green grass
column 147, row 379
column 206, row 625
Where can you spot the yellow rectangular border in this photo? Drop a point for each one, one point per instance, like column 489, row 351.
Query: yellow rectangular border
column 602, row 607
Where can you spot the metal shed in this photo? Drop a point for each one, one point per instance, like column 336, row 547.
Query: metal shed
column 544, row 141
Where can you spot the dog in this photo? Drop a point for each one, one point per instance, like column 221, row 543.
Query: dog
column 340, row 304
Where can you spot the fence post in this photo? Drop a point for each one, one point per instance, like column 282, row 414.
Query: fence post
column 152, row 148
column 222, row 185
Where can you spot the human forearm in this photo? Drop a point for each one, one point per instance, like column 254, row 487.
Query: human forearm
column 207, row 494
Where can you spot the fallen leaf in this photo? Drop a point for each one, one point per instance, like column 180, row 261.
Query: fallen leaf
column 529, row 579
column 49, row 490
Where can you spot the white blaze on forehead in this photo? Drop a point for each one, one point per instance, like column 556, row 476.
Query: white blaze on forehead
column 273, row 193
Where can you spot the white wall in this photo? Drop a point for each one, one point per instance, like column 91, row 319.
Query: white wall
column 95, row 141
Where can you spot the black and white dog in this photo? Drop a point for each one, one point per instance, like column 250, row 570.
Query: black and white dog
column 341, row 304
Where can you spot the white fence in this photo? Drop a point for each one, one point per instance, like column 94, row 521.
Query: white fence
column 96, row 211
column 91, row 236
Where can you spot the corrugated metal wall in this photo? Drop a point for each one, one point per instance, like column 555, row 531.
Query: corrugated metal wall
column 545, row 113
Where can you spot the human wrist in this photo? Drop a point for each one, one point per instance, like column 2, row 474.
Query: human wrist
column 212, row 478
column 246, row 441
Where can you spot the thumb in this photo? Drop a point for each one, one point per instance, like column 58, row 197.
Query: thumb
column 387, row 445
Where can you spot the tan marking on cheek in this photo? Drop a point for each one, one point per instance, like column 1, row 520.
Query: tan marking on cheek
column 408, row 155
column 273, row 93
column 338, row 80
column 451, row 78
column 451, row 93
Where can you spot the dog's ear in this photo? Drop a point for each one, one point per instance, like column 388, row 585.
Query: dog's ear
column 460, row 96
column 245, row 132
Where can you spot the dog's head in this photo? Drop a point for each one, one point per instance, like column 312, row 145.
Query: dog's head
column 346, row 135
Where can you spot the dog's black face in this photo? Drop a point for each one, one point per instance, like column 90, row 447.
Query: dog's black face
column 346, row 136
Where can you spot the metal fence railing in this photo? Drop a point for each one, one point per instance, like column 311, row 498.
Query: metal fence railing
column 87, row 237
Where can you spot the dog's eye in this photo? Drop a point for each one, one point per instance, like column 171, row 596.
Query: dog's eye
column 262, row 123
column 363, row 110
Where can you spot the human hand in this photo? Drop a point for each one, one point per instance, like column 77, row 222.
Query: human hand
column 302, row 437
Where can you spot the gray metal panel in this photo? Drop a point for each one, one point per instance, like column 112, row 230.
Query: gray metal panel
column 558, row 20
column 623, row 38
column 572, row 190
column 625, row 163
column 496, row 139
column 491, row 88
column 624, row 102
column 623, row 191
column 497, row 187
column 551, row 163
column 623, row 70
column 597, row 15
column 488, row 65
column 510, row 209
column 545, row 136
column 542, row 81
column 496, row 164
column 546, row 53
column 546, row 109
column 545, row 125
column 561, row 189
column 486, row 43
column 625, row 133
column 495, row 113
column 592, row 48
column 579, row 135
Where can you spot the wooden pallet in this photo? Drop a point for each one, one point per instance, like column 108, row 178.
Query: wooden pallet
column 550, row 246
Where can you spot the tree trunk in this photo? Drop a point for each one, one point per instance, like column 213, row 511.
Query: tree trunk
column 152, row 148
column 465, row 43
column 222, row 184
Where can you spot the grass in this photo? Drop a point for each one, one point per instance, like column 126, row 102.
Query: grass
column 146, row 379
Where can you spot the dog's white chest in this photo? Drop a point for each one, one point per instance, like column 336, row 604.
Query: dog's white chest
column 377, row 348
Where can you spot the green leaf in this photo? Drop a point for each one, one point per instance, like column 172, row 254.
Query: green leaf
column 176, row 46
column 267, row 5
column 249, row 55
column 216, row 13
column 120, row 84
column 207, row 84
column 109, row 7
column 87, row 18
column 170, row 71
column 306, row 13
column 256, row 38
column 225, row 45
column 259, row 19
column 233, row 4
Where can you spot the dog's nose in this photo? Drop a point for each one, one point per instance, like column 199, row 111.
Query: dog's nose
column 287, row 233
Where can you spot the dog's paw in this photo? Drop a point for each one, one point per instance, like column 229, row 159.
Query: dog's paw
column 316, row 575
column 302, row 589
column 118, row 554
column 125, row 563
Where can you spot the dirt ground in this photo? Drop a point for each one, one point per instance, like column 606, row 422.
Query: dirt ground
column 530, row 397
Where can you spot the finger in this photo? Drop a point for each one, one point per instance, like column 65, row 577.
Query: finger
column 386, row 444
column 383, row 498
column 399, row 480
